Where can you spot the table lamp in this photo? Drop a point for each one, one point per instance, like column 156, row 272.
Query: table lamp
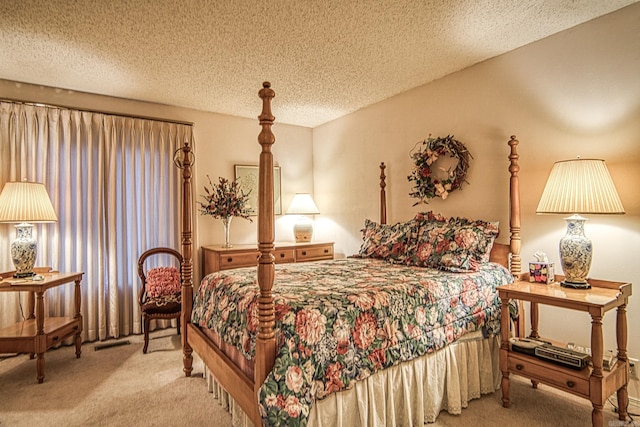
column 579, row 186
column 303, row 205
column 25, row 203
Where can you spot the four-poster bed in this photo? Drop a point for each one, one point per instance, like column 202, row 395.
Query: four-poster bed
column 244, row 379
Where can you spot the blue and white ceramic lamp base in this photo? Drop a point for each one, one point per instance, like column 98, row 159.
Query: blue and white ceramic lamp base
column 576, row 252
column 23, row 251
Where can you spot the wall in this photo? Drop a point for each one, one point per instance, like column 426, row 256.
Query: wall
column 574, row 93
column 220, row 142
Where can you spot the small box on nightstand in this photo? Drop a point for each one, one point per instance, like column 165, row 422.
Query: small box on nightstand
column 541, row 272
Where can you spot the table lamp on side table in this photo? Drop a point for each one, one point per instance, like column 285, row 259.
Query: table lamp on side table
column 303, row 205
column 25, row 203
column 579, row 186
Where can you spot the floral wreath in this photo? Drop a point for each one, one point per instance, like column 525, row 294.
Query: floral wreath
column 426, row 184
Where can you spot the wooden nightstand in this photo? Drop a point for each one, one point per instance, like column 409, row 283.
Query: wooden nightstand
column 217, row 258
column 593, row 382
column 38, row 333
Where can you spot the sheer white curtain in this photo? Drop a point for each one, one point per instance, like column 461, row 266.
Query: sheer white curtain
column 116, row 192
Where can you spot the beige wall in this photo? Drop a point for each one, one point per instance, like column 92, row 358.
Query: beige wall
column 220, row 142
column 575, row 93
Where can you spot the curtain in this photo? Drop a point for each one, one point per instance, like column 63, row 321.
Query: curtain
column 116, row 193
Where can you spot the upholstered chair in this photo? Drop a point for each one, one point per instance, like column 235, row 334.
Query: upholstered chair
column 160, row 294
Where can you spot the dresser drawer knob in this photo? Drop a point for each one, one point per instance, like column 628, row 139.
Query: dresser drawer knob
column 281, row 255
column 570, row 384
column 304, row 252
column 519, row 367
column 229, row 259
column 326, row 251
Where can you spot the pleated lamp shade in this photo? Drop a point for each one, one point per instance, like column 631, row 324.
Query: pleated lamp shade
column 580, row 186
column 26, row 202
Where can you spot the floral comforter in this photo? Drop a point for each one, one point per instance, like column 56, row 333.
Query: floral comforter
column 339, row 321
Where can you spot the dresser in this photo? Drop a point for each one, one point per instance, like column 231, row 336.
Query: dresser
column 216, row 258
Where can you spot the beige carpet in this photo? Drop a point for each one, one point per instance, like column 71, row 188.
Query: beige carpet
column 120, row 386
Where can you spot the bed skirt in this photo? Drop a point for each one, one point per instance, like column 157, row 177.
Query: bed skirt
column 412, row 393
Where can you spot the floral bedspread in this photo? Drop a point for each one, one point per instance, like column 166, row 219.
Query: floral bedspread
column 339, row 321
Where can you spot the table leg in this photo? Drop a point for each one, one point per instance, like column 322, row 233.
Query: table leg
column 504, row 352
column 533, row 307
column 597, row 343
column 78, row 315
column 621, row 338
column 41, row 345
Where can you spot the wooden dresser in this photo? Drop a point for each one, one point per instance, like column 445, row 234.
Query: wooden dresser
column 216, row 258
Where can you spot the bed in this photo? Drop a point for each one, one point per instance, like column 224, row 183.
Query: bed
column 311, row 351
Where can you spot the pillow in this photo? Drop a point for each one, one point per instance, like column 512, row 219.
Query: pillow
column 163, row 281
column 485, row 232
column 384, row 241
column 454, row 244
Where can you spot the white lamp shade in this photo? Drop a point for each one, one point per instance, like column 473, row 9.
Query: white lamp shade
column 26, row 202
column 302, row 204
column 580, row 186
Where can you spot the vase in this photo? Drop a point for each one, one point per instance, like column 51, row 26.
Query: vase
column 575, row 254
column 227, row 225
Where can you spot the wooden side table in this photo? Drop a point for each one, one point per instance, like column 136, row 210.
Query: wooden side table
column 37, row 334
column 217, row 258
column 593, row 383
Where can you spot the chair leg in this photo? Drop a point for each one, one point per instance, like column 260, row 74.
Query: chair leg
column 147, row 323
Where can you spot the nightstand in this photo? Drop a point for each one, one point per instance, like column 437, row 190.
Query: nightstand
column 38, row 333
column 217, row 258
column 593, row 382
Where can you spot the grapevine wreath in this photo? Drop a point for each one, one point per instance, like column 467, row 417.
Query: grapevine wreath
column 428, row 184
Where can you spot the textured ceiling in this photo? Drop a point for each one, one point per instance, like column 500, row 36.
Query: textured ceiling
column 324, row 58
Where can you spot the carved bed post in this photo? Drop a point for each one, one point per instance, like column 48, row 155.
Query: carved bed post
column 186, row 271
column 266, row 342
column 383, row 195
column 514, row 224
column 514, row 209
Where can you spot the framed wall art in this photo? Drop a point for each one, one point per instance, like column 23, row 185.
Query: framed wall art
column 247, row 177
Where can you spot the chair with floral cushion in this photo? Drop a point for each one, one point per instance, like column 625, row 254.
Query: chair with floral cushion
column 160, row 295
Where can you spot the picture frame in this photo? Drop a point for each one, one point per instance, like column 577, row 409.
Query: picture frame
column 247, row 176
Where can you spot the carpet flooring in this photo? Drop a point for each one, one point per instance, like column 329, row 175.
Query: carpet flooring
column 120, row 386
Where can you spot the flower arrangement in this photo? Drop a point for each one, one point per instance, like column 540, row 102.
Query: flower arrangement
column 426, row 184
column 225, row 200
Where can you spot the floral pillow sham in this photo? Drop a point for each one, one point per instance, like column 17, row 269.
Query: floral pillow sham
column 431, row 240
column 458, row 245
column 384, row 241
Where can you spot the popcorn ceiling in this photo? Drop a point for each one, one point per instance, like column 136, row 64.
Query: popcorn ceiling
column 324, row 58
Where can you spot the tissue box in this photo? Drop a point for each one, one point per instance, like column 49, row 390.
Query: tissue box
column 541, row 272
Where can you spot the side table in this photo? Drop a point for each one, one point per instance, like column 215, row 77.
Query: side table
column 594, row 382
column 38, row 333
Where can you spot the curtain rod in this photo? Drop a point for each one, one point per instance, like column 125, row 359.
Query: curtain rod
column 44, row 104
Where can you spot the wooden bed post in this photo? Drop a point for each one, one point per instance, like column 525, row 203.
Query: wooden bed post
column 514, row 220
column 266, row 341
column 383, row 195
column 186, row 271
column 515, row 265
